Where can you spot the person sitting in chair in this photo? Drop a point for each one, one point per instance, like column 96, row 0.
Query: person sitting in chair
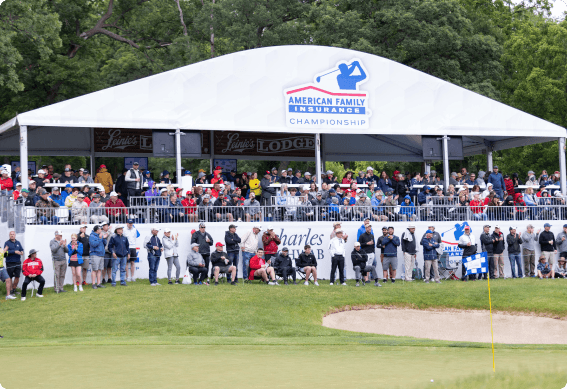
column 32, row 269
column 359, row 258
column 283, row 266
column 196, row 265
column 307, row 264
column 259, row 268
column 222, row 264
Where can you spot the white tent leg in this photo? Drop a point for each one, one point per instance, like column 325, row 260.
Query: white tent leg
column 212, row 150
column 562, row 171
column 24, row 156
column 178, row 155
column 318, row 160
column 489, row 162
column 427, row 168
column 446, row 161
column 93, row 172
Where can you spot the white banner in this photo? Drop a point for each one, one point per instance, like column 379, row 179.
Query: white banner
column 293, row 235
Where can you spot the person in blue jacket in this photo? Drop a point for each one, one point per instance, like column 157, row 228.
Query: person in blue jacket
column 497, row 182
column 57, row 197
column 75, row 251
column 424, row 195
column 430, row 247
column 14, row 250
column 96, row 253
column 119, row 248
column 408, row 209
column 389, row 246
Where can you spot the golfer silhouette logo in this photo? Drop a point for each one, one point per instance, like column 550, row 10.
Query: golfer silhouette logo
column 332, row 101
column 452, row 242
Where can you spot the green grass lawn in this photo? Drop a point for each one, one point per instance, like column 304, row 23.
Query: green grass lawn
column 142, row 336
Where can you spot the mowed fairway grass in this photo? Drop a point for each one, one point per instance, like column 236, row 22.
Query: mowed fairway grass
column 255, row 335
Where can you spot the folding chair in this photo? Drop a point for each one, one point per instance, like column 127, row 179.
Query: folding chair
column 446, row 271
column 302, row 275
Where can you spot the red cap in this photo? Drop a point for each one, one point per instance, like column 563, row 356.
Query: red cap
column 556, row 172
column 178, row 189
column 268, row 172
column 192, row 232
column 467, row 228
column 188, row 193
column 245, row 174
column 242, row 198
column 103, row 166
column 219, row 244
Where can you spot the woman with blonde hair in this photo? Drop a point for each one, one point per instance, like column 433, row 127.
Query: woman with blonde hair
column 75, row 261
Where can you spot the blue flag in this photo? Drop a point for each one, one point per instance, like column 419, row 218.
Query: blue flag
column 476, row 264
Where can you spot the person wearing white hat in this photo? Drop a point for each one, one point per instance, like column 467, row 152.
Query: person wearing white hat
column 329, row 178
column 132, row 234
column 337, row 252
column 58, row 247
column 115, row 209
column 155, row 248
column 170, row 252
column 249, row 245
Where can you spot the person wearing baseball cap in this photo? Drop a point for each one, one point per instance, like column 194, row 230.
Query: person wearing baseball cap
column 196, row 265
column 154, row 247
column 205, row 241
column 58, row 247
column 513, row 240
column 337, row 252
column 488, row 241
column 119, row 248
column 267, row 190
column 249, row 246
column 170, row 252
column 283, row 266
column 222, row 264
column 548, row 244
column 104, row 178
column 467, row 242
column 132, row 234
column 232, row 241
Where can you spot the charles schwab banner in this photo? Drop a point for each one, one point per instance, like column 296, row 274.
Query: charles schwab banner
column 112, row 140
column 264, row 144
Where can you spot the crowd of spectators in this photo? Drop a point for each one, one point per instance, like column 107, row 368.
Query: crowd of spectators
column 288, row 195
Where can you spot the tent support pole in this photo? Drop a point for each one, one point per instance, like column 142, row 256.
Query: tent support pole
column 212, row 149
column 489, row 162
column 562, row 171
column 93, row 172
column 318, row 159
column 178, row 154
column 446, row 161
column 24, row 156
column 427, row 167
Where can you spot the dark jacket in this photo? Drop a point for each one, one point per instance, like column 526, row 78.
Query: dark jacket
column 154, row 241
column 364, row 239
column 390, row 246
column 513, row 244
column 12, row 256
column 282, row 261
column 379, row 243
column 359, row 258
column 306, row 260
column 429, row 248
column 407, row 246
column 216, row 259
column 86, row 243
column 204, row 246
column 119, row 245
column 486, row 240
column 544, row 238
column 499, row 245
column 267, row 192
column 232, row 241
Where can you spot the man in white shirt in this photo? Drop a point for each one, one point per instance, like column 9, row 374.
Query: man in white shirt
column 249, row 245
column 337, row 251
column 131, row 233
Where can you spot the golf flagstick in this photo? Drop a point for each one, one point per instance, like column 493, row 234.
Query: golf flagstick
column 491, row 329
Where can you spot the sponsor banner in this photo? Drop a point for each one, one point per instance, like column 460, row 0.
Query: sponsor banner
column 333, row 100
column 294, row 235
column 109, row 140
column 263, row 144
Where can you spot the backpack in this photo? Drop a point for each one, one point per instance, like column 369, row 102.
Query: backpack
column 417, row 273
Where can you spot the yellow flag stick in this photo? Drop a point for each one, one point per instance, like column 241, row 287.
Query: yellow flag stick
column 491, row 330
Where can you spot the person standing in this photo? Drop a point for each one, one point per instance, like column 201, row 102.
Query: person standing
column 96, row 254
column 196, row 265
column 337, row 252
column 205, row 241
column 497, row 182
column 437, row 238
column 155, row 248
column 529, row 239
column 84, row 239
column 379, row 246
column 75, row 251
column 13, row 260
column 498, row 250
column 284, row 266
column 120, row 250
column 547, row 243
column 232, row 241
column 390, row 245
column 32, row 269
column 107, row 266
column 59, row 248
column 104, row 178
column 514, row 241
column 430, row 247
column 270, row 241
column 249, row 246
column 467, row 242
column 487, row 241
column 132, row 234
column 561, row 243
column 133, row 181
column 5, row 278
column 170, row 252
column 367, row 242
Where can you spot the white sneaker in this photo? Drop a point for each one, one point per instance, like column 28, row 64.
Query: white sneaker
column 128, row 279
column 80, row 288
column 316, row 283
column 344, row 284
column 75, row 288
column 153, row 284
column 306, row 283
column 330, row 283
column 10, row 297
column 133, row 279
column 276, row 283
column 271, row 283
column 23, row 299
column 157, row 284
column 38, row 295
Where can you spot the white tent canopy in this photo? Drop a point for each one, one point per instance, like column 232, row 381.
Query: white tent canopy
column 265, row 90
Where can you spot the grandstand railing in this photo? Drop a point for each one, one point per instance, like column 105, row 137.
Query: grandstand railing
column 156, row 213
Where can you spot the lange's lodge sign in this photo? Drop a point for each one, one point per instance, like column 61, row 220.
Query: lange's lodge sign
column 263, row 144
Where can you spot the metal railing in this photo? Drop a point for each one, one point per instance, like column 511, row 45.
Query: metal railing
column 156, row 213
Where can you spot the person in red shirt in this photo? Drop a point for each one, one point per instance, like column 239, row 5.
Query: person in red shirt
column 5, row 181
column 477, row 207
column 32, row 269
column 217, row 177
column 271, row 242
column 18, row 191
column 259, row 268
column 115, row 209
column 190, row 206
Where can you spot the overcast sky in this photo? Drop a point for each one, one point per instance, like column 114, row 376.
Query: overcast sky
column 559, row 7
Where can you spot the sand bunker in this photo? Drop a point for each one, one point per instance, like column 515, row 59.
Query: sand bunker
column 456, row 325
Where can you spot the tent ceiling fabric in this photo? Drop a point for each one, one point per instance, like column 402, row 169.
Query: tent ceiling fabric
column 245, row 91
